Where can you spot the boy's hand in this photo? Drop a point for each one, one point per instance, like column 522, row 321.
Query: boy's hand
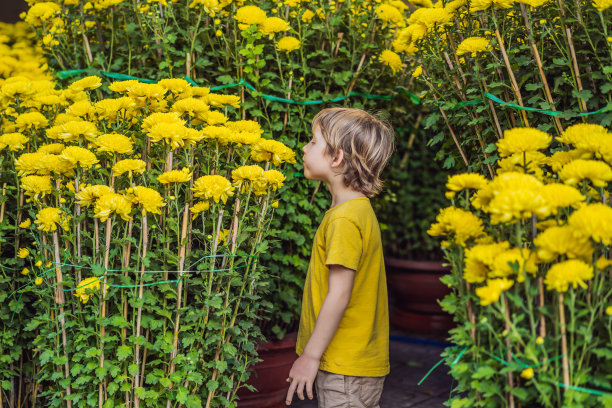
column 303, row 373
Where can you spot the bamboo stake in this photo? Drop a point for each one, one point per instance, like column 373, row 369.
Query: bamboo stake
column 145, row 241
column 179, row 291
column 101, row 389
column 515, row 87
column 508, row 353
column 536, row 55
column 566, row 376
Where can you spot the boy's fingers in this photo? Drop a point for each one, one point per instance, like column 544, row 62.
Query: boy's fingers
column 300, row 390
column 290, row 392
column 309, row 389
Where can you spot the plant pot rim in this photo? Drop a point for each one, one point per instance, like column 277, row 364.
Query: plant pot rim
column 287, row 342
column 431, row 266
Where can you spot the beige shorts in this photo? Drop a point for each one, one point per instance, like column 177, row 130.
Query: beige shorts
column 345, row 391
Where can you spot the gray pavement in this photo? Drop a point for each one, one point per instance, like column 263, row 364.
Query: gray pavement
column 409, row 363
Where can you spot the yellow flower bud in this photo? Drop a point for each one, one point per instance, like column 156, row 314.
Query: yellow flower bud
column 505, row 333
column 62, row 200
column 38, row 281
column 38, row 263
column 25, row 271
column 539, row 341
column 609, row 310
column 274, row 204
column 217, row 21
column 527, row 373
column 218, row 33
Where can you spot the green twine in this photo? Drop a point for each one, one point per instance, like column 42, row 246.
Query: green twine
column 414, row 98
column 523, row 366
column 119, row 270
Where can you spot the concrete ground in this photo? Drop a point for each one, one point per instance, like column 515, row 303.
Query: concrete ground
column 410, row 361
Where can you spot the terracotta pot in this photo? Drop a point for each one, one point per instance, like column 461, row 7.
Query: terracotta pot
column 270, row 374
column 414, row 289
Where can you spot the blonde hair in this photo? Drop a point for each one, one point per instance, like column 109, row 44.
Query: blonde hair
column 366, row 140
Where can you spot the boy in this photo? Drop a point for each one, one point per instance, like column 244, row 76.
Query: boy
column 343, row 339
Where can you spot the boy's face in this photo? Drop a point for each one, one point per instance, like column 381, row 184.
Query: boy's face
column 317, row 162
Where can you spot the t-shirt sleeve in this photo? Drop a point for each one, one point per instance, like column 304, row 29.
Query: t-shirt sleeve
column 343, row 244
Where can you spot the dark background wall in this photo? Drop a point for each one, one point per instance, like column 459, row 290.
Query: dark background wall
column 10, row 9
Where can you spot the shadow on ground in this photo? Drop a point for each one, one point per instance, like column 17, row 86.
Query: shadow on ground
column 410, row 361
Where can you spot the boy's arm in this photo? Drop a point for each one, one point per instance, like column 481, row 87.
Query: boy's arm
column 304, row 369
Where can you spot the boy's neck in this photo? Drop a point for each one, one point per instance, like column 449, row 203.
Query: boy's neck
column 341, row 193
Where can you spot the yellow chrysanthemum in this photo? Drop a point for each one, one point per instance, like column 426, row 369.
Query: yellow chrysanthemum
column 36, row 186
column 221, row 134
column 110, row 108
column 110, row 203
column 274, row 179
column 49, row 218
column 522, row 258
column 249, row 126
column 575, row 133
column 90, row 82
column 517, row 203
column 250, row 15
column 193, row 107
column 593, row 221
column 572, row 272
column 271, row 150
column 457, row 224
column 86, row 287
column 556, row 241
column 26, row 223
column 478, row 5
column 221, row 101
column 417, row 72
column 31, row 120
column 148, row 199
column 491, row 292
column 560, row 195
column 430, row 17
column 14, row 141
column 246, row 176
column 198, row 208
column 390, row 15
column 161, row 117
column 23, row 253
column 307, row 16
column 88, row 195
column 288, row 44
column 175, row 85
column 42, row 12
column 74, row 130
column 602, row 5
column 472, row 46
column 215, row 118
column 459, row 182
column 479, row 260
column 599, row 173
column 518, row 161
column 114, row 143
column 213, row 187
column 145, row 94
column 520, row 140
column 273, row 25
column 81, row 109
column 52, row 148
column 173, row 134
column 392, row 60
column 129, row 166
column 79, row 156
column 175, row 176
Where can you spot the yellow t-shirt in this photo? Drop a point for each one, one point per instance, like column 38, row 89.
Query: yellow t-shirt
column 349, row 235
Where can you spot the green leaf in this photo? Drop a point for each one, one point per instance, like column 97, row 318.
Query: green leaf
column 182, row 395
column 484, row 372
column 133, row 369
column 123, row 352
column 212, row 385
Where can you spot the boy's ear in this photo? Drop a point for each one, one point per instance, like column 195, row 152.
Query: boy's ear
column 338, row 159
